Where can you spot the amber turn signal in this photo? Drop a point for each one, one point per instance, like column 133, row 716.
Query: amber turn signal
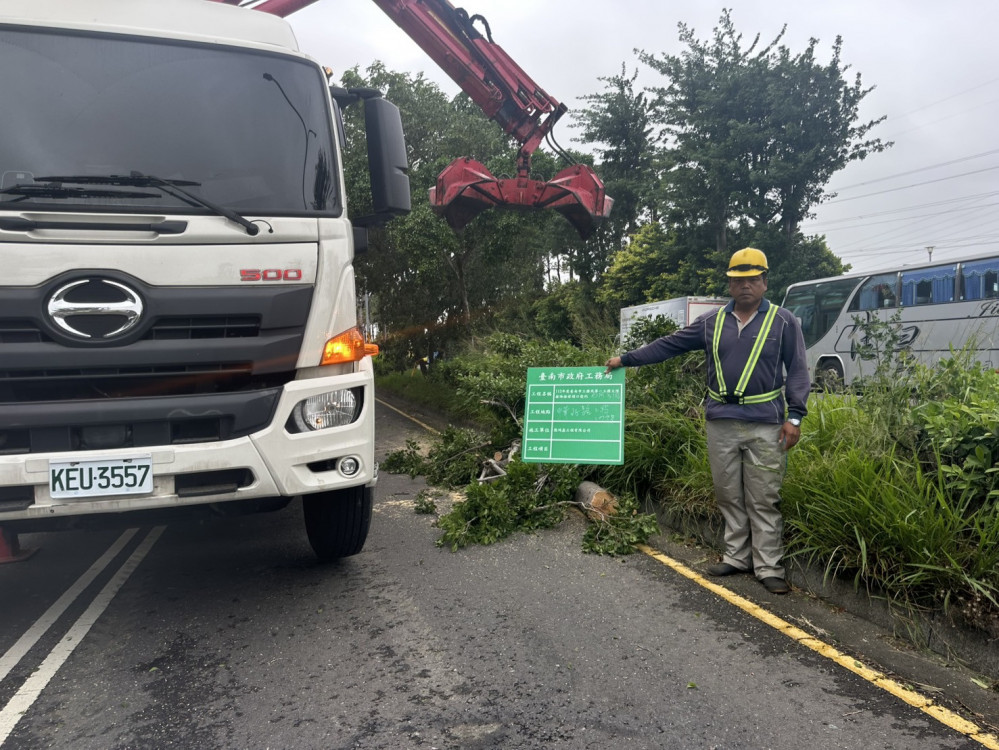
column 348, row 346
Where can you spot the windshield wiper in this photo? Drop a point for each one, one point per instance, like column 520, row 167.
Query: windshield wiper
column 176, row 188
column 50, row 190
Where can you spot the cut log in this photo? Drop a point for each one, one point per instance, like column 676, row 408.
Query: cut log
column 596, row 501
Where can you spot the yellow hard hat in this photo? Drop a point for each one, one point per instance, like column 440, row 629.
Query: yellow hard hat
column 747, row 262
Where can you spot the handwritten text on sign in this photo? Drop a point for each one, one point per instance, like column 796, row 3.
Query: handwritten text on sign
column 574, row 415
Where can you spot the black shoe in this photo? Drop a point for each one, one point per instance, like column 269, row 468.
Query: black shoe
column 775, row 585
column 724, row 569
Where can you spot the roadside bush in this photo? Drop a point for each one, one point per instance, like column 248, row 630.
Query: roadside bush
column 892, row 527
column 416, row 388
column 645, row 330
column 495, row 377
column 678, row 382
column 898, row 518
column 666, row 458
column 959, row 421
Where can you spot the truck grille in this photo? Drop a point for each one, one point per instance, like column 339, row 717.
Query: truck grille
column 23, row 386
column 203, row 327
column 204, row 364
column 134, row 423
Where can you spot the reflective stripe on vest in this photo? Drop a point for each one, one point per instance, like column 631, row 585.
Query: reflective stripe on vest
column 721, row 394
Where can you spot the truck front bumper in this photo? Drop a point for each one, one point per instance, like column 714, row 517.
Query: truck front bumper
column 272, row 462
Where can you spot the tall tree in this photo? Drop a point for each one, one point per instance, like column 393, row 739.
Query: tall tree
column 618, row 124
column 739, row 142
column 754, row 134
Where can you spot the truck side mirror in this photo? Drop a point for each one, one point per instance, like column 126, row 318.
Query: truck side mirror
column 387, row 162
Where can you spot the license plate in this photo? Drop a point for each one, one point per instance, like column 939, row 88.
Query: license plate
column 101, row 477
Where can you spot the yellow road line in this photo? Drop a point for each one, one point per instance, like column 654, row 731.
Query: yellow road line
column 924, row 704
column 426, row 427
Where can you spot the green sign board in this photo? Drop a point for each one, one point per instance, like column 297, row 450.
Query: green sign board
column 574, row 415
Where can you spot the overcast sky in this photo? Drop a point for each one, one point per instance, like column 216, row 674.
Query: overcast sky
column 933, row 63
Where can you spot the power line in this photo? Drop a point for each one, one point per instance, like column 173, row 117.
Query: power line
column 920, row 169
column 906, row 209
column 945, row 99
column 951, row 116
column 907, row 218
column 952, row 244
column 919, row 230
column 919, row 233
column 915, row 184
column 910, row 229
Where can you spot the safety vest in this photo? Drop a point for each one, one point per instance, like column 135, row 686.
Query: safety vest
column 736, row 397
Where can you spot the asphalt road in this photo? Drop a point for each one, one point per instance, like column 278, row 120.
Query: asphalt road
column 228, row 634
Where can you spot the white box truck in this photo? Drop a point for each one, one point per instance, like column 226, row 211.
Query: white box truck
column 681, row 310
column 178, row 320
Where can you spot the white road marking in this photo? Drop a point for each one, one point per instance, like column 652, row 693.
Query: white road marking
column 33, row 686
column 24, row 644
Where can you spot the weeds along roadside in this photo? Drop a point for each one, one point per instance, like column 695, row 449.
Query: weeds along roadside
column 893, row 488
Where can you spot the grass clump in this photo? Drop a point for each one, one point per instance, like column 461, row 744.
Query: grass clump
column 894, row 487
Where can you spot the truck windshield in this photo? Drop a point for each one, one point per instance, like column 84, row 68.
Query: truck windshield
column 248, row 131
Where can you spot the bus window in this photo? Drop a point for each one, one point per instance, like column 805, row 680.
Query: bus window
column 876, row 293
column 928, row 285
column 981, row 279
column 818, row 305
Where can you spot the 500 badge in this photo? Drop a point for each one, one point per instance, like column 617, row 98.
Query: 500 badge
column 270, row 274
column 101, row 477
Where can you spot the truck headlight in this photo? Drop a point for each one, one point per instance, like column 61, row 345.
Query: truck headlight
column 333, row 409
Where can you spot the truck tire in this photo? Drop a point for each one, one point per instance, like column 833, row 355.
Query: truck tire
column 337, row 522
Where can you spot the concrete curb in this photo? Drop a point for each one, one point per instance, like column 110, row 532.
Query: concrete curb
column 935, row 632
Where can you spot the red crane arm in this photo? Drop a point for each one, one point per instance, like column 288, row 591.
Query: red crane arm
column 483, row 70
column 508, row 96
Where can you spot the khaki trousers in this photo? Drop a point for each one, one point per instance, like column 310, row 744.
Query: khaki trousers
column 747, row 466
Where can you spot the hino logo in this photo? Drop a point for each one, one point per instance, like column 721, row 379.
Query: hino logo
column 126, row 308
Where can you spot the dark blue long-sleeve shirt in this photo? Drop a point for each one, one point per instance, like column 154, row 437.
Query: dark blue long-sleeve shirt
column 783, row 352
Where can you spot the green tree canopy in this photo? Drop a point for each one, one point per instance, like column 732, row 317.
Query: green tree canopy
column 733, row 148
column 618, row 124
column 754, row 134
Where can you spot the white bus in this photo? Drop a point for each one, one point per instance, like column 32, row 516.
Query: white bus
column 941, row 307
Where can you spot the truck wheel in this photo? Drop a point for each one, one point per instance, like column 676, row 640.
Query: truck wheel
column 829, row 376
column 337, row 522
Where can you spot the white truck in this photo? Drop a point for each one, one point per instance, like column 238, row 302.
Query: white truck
column 178, row 320
column 681, row 310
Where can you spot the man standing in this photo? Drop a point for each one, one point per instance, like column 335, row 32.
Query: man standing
column 756, row 359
